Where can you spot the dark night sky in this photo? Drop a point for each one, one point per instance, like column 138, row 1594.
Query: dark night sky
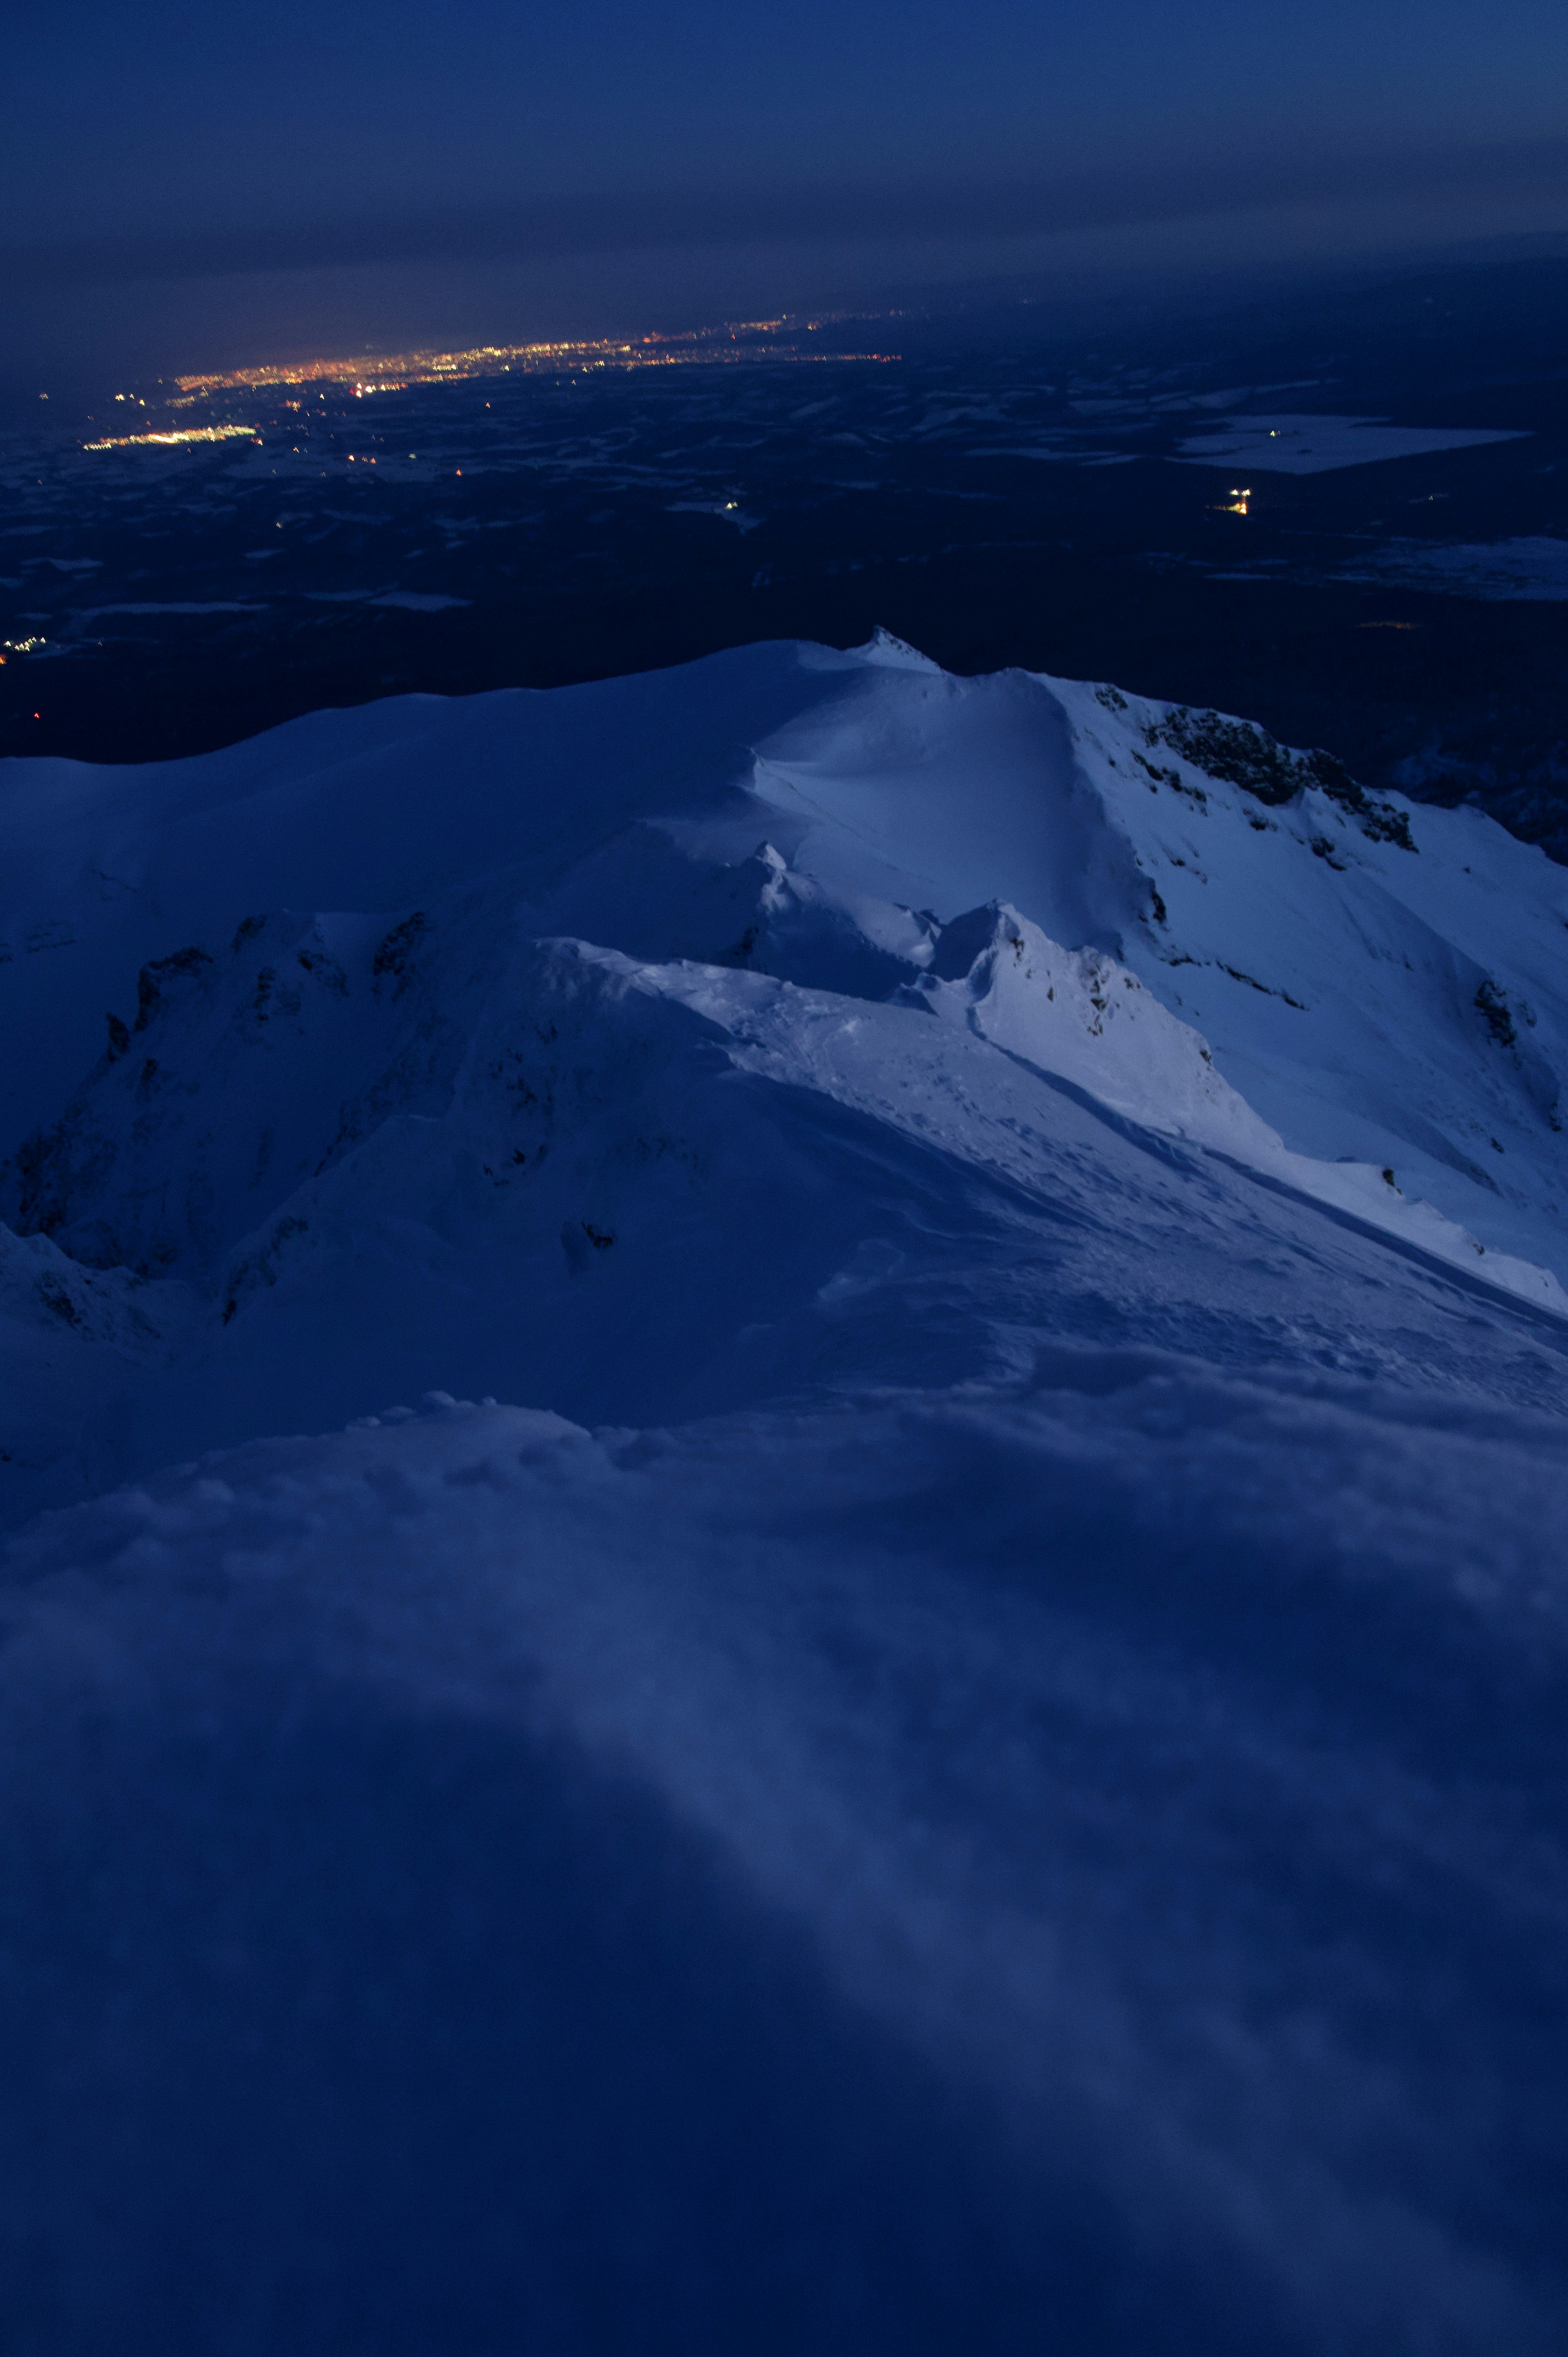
column 182, row 183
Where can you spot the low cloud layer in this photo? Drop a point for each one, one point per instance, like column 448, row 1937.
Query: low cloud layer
column 589, row 222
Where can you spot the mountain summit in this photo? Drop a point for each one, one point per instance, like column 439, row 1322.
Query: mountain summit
column 858, row 1637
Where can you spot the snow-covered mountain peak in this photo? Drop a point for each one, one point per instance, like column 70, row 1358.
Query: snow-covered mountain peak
column 608, row 899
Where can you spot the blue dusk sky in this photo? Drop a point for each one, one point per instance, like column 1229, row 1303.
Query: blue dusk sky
column 180, row 182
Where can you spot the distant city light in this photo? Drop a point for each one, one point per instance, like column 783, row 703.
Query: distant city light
column 181, row 434
column 728, row 345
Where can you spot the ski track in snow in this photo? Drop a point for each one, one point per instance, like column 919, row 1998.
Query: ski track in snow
column 972, row 1756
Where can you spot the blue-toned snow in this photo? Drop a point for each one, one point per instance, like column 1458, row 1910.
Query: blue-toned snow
column 1312, row 445
column 971, row 1757
column 1533, row 569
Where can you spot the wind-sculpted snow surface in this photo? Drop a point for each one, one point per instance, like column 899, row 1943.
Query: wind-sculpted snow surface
column 972, row 1756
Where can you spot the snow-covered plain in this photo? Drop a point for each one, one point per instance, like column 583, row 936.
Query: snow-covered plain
column 1534, row 570
column 1313, row 445
column 972, row 1755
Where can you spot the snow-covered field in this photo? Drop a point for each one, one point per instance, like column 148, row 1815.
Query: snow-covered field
column 806, row 1427
column 1534, row 569
column 1299, row 445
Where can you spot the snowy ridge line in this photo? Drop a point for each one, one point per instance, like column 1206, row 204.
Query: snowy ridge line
column 1371, row 1008
column 1176, row 1091
column 1439, row 1241
column 1434, row 1239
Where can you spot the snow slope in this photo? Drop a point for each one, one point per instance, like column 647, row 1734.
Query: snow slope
column 972, row 1759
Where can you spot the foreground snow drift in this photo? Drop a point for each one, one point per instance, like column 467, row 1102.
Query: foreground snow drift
column 973, row 1760
column 1078, row 1860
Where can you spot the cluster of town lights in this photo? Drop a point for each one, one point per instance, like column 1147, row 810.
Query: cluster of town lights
column 181, row 434
column 745, row 340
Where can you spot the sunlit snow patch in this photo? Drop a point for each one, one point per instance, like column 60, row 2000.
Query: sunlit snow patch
column 1081, row 1017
